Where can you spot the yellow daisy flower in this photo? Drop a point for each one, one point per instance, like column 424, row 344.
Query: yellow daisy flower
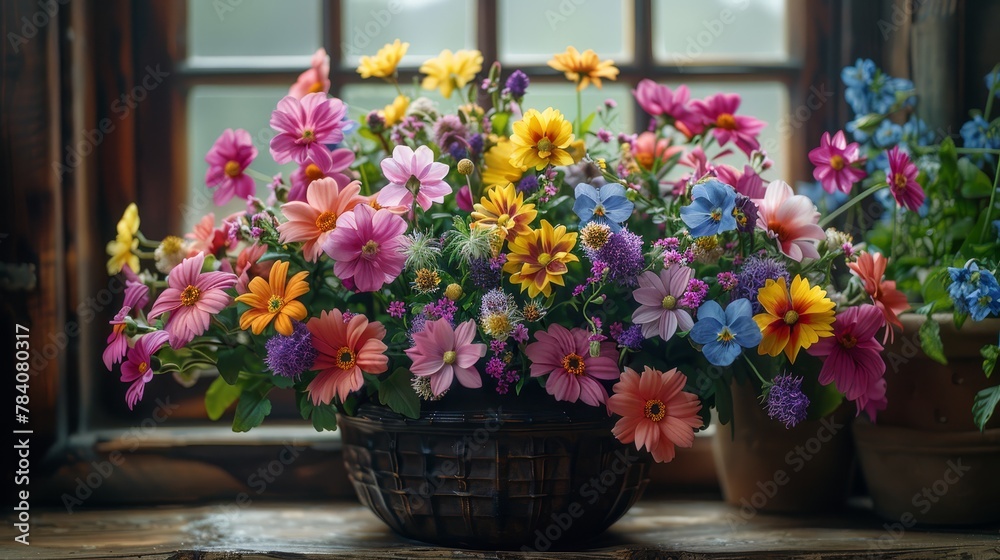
column 121, row 250
column 792, row 319
column 274, row 300
column 504, row 208
column 451, row 70
column 583, row 68
column 542, row 139
column 498, row 169
column 395, row 111
column 538, row 259
column 385, row 61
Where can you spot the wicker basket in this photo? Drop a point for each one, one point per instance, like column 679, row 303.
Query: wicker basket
column 506, row 474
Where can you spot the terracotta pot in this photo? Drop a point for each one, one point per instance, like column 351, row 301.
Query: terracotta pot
column 485, row 471
column 766, row 467
column 926, row 395
column 925, row 477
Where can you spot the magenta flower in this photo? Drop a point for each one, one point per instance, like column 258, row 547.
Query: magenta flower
column 658, row 100
column 574, row 375
column 192, row 297
column 791, row 219
column 315, row 79
column 853, row 356
column 748, row 182
column 442, row 354
column 659, row 298
column 413, row 171
column 873, row 400
column 834, row 160
column 719, row 112
column 309, row 171
column 138, row 369
column 304, row 126
column 231, row 154
column 902, row 177
column 367, row 245
column 136, row 297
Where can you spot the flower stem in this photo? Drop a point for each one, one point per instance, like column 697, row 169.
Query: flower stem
column 864, row 194
column 763, row 381
column 579, row 112
column 993, row 92
column 993, row 198
column 258, row 175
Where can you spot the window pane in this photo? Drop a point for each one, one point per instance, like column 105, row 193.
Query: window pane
column 531, row 31
column 430, row 26
column 257, row 32
column 212, row 109
column 563, row 97
column 716, row 31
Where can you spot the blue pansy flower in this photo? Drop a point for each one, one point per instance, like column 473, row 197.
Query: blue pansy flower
column 607, row 205
column 724, row 334
column 711, row 209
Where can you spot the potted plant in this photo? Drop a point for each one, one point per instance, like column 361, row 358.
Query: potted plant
column 932, row 226
column 498, row 305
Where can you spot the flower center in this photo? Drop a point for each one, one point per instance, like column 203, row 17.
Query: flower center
column 172, row 244
column 899, row 181
column 449, row 357
column 143, row 367
column 544, row 147
column 345, row 358
column 544, row 259
column 233, row 169
column 791, row 317
column 369, row 249
column 313, row 172
column 413, row 184
column 726, row 121
column 669, row 302
column 837, row 162
column 654, row 409
column 599, row 210
column 326, row 221
column 573, row 363
column 848, row 341
column 726, row 335
column 275, row 304
column 308, row 135
column 316, row 87
column 190, row 296
column 716, row 215
column 741, row 217
column 503, row 220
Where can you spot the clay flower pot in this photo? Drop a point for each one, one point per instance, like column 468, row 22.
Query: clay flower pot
column 483, row 471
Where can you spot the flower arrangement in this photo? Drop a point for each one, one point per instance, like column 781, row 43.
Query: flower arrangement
column 497, row 246
column 936, row 207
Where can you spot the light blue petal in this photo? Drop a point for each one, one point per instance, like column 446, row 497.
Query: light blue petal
column 706, row 331
column 585, row 190
column 737, row 309
column 584, row 208
column 618, row 208
column 712, row 310
column 721, row 353
column 747, row 332
column 610, row 190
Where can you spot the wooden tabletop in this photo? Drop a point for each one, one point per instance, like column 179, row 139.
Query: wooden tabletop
column 653, row 529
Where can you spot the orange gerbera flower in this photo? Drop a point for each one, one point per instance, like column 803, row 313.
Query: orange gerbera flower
column 584, row 67
column 504, row 208
column 347, row 350
column 274, row 300
column 538, row 259
column 792, row 320
column 870, row 267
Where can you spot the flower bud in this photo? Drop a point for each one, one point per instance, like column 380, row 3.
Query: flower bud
column 466, row 167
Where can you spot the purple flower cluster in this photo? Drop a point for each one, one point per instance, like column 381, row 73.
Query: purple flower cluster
column 520, row 333
column 630, row 338
column 517, row 84
column 756, row 271
column 443, row 308
column 484, row 274
column 695, row 294
column 622, row 257
column 289, row 356
column 727, row 280
column 786, row 402
column 528, row 184
column 497, row 369
column 397, row 309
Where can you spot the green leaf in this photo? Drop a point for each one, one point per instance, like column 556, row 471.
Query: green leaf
column 230, row 362
column 982, row 408
column 499, row 121
column 324, row 417
column 281, row 382
column 397, row 393
column 251, row 411
column 930, row 341
column 586, row 123
column 975, row 183
column 990, row 353
column 305, row 405
column 219, row 396
column 948, row 172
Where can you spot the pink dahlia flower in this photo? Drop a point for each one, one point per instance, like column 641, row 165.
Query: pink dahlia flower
column 412, row 171
column 719, row 112
column 748, row 182
column 228, row 158
column 367, row 247
column 192, row 297
column 313, row 221
column 136, row 297
column 658, row 100
column 902, row 177
column 835, row 161
column 208, row 239
column 314, row 80
column 442, row 354
column 853, row 356
column 138, row 369
column 304, row 126
column 574, row 375
column 791, row 219
column 346, row 350
column 659, row 297
column 308, row 171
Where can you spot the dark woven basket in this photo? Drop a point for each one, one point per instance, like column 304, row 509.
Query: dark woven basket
column 491, row 472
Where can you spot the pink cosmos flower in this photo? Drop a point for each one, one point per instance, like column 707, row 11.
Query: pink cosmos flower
column 347, row 349
column 136, row 297
column 192, row 297
column 658, row 100
column 834, row 160
column 658, row 297
column 304, row 126
column 138, row 369
column 873, row 400
column 573, row 373
column 314, row 80
column 656, row 412
column 206, row 238
column 308, row 171
column 231, row 154
column 902, row 177
column 313, row 221
column 719, row 112
column 413, row 171
column 367, row 245
column 443, row 353
column 748, row 182
column 790, row 218
column 853, row 356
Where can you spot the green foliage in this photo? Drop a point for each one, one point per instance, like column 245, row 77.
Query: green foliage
column 930, row 341
column 219, row 396
column 990, row 353
column 251, row 410
column 397, row 393
column 984, row 405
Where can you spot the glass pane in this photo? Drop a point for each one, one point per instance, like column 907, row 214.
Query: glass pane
column 261, row 32
column 687, row 32
column 602, row 25
column 429, row 26
column 563, row 97
column 212, row 109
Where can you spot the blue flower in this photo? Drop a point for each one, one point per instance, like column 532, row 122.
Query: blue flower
column 977, row 133
column 869, row 90
column 607, row 205
column 723, row 335
column 974, row 291
column 916, row 132
column 888, row 134
column 711, row 209
column 991, row 79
